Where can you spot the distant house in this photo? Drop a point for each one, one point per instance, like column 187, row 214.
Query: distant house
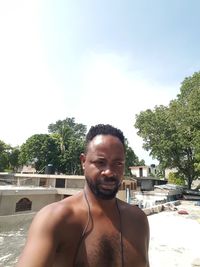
column 143, row 171
column 28, row 169
column 146, row 177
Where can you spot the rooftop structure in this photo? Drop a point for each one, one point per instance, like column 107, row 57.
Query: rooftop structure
column 143, row 171
column 30, row 192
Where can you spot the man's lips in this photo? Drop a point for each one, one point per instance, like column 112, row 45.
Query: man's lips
column 108, row 185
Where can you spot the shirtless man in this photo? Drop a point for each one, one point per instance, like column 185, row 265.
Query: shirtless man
column 92, row 228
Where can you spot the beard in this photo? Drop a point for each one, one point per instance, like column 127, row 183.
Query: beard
column 104, row 193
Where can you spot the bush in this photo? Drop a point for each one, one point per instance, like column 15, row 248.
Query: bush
column 175, row 178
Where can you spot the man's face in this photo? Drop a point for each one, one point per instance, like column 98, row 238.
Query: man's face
column 103, row 165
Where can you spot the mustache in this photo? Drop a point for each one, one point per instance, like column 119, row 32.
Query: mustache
column 110, row 179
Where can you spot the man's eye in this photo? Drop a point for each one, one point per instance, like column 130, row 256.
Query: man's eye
column 99, row 162
column 119, row 164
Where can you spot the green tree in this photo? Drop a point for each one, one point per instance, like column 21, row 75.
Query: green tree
column 70, row 138
column 72, row 156
column 4, row 162
column 40, row 150
column 174, row 178
column 8, row 157
column 172, row 133
column 131, row 159
column 13, row 158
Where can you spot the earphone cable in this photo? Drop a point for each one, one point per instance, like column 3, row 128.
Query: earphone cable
column 121, row 236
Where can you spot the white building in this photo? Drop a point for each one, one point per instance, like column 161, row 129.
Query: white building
column 143, row 171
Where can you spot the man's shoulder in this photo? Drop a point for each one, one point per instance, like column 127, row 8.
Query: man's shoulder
column 134, row 216
column 59, row 211
column 133, row 211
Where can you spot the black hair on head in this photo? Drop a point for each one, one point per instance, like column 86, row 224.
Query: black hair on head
column 104, row 129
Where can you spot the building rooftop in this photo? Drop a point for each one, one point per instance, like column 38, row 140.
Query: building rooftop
column 37, row 175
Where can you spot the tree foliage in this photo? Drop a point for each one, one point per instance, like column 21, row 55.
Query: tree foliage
column 174, row 178
column 4, row 162
column 131, row 159
column 9, row 157
column 13, row 157
column 62, row 147
column 40, row 150
column 70, row 138
column 172, row 133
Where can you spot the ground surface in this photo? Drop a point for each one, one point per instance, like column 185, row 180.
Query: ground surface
column 175, row 239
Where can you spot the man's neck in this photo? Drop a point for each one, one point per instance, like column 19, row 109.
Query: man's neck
column 99, row 203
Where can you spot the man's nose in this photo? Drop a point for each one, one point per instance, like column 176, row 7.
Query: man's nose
column 108, row 171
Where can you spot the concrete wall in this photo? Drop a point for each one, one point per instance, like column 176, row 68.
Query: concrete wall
column 40, row 196
column 28, row 181
column 78, row 183
column 8, row 202
column 147, row 184
column 46, row 180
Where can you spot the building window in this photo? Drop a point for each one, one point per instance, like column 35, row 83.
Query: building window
column 23, row 204
column 60, row 183
column 43, row 182
column 140, row 172
column 122, row 187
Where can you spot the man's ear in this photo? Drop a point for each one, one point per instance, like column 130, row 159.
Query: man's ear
column 82, row 159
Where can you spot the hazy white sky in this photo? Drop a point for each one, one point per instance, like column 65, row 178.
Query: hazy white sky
column 98, row 61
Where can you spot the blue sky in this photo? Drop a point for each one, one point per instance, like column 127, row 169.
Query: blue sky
column 98, row 61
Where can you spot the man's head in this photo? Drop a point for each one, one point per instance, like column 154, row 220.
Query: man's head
column 104, row 159
column 104, row 129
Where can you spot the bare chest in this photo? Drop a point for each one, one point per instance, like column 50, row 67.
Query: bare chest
column 109, row 247
column 100, row 250
column 104, row 244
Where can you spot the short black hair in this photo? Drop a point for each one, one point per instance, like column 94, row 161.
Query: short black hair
column 104, row 129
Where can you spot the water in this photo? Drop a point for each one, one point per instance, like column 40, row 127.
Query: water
column 12, row 241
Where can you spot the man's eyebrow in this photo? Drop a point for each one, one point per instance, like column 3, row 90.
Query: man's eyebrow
column 100, row 157
column 122, row 160
column 119, row 158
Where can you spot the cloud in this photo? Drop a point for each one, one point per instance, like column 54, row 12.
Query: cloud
column 29, row 92
column 105, row 87
column 113, row 91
